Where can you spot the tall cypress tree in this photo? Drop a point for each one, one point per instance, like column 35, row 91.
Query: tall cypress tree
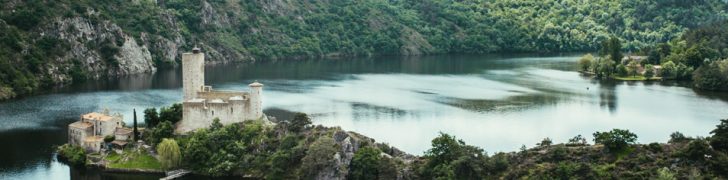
column 136, row 131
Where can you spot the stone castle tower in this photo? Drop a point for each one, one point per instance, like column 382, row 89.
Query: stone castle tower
column 201, row 104
column 193, row 73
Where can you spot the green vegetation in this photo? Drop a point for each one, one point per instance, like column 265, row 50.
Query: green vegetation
column 169, row 154
column 157, row 134
column 74, row 154
column 260, row 150
column 616, row 140
column 303, row 29
column 133, row 160
column 719, row 140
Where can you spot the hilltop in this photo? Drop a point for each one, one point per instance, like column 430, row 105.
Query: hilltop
column 49, row 43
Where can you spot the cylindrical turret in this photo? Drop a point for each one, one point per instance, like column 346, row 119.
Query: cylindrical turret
column 256, row 99
column 193, row 73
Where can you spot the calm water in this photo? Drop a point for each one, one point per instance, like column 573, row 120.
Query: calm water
column 496, row 102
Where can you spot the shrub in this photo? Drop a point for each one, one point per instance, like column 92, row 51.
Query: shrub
column 678, row 137
column 585, row 62
column 452, row 159
column 622, row 70
column 319, row 156
column 654, row 147
column 169, row 153
column 162, row 130
column 577, row 140
column 649, row 71
column 75, row 155
column 696, row 150
column 668, row 70
column 665, row 174
column 713, row 76
column 559, row 153
column 151, row 117
column 546, row 142
column 719, row 140
column 616, row 140
column 365, row 164
column 299, row 122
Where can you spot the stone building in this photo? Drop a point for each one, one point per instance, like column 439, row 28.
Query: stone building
column 90, row 130
column 201, row 104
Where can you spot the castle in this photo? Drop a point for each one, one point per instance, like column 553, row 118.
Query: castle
column 201, row 104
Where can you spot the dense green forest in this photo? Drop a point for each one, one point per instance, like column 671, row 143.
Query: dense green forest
column 34, row 54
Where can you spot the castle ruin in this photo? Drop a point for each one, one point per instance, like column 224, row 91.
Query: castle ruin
column 201, row 104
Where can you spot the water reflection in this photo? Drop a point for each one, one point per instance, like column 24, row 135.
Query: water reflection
column 607, row 96
column 496, row 102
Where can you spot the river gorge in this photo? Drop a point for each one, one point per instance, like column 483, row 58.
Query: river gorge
column 497, row 102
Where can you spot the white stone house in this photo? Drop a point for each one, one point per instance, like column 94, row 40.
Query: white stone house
column 90, row 130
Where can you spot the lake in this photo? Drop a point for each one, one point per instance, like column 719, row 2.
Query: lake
column 497, row 102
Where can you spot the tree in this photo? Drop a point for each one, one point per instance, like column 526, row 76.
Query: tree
column 649, row 71
column 612, row 48
column 696, row 150
column 605, row 68
column 622, row 70
column 632, row 68
column 172, row 114
column 136, row 130
column 320, row 155
column 299, row 122
column 216, row 124
column 678, row 137
column 451, row 158
column 161, row 131
column 719, row 140
column 616, row 140
column 668, row 70
column 577, row 140
column 712, row 76
column 585, row 62
column 546, row 142
column 365, row 164
column 169, row 154
column 151, row 118
column 76, row 155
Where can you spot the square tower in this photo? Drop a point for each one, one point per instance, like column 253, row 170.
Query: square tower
column 193, row 73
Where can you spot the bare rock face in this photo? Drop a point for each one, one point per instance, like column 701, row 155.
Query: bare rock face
column 85, row 39
column 134, row 59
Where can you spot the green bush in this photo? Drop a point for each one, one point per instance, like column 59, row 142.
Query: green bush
column 713, row 76
column 655, row 147
column 696, row 150
column 616, row 140
column 678, row 137
column 719, row 140
column 365, row 164
column 75, row 155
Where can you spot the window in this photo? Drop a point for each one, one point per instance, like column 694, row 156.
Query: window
column 213, row 113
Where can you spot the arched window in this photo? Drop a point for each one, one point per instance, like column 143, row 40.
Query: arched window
column 213, row 113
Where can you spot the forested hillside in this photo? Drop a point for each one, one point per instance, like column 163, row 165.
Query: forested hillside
column 46, row 43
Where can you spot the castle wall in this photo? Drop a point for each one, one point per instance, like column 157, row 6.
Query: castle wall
column 224, row 95
column 193, row 74
column 197, row 115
